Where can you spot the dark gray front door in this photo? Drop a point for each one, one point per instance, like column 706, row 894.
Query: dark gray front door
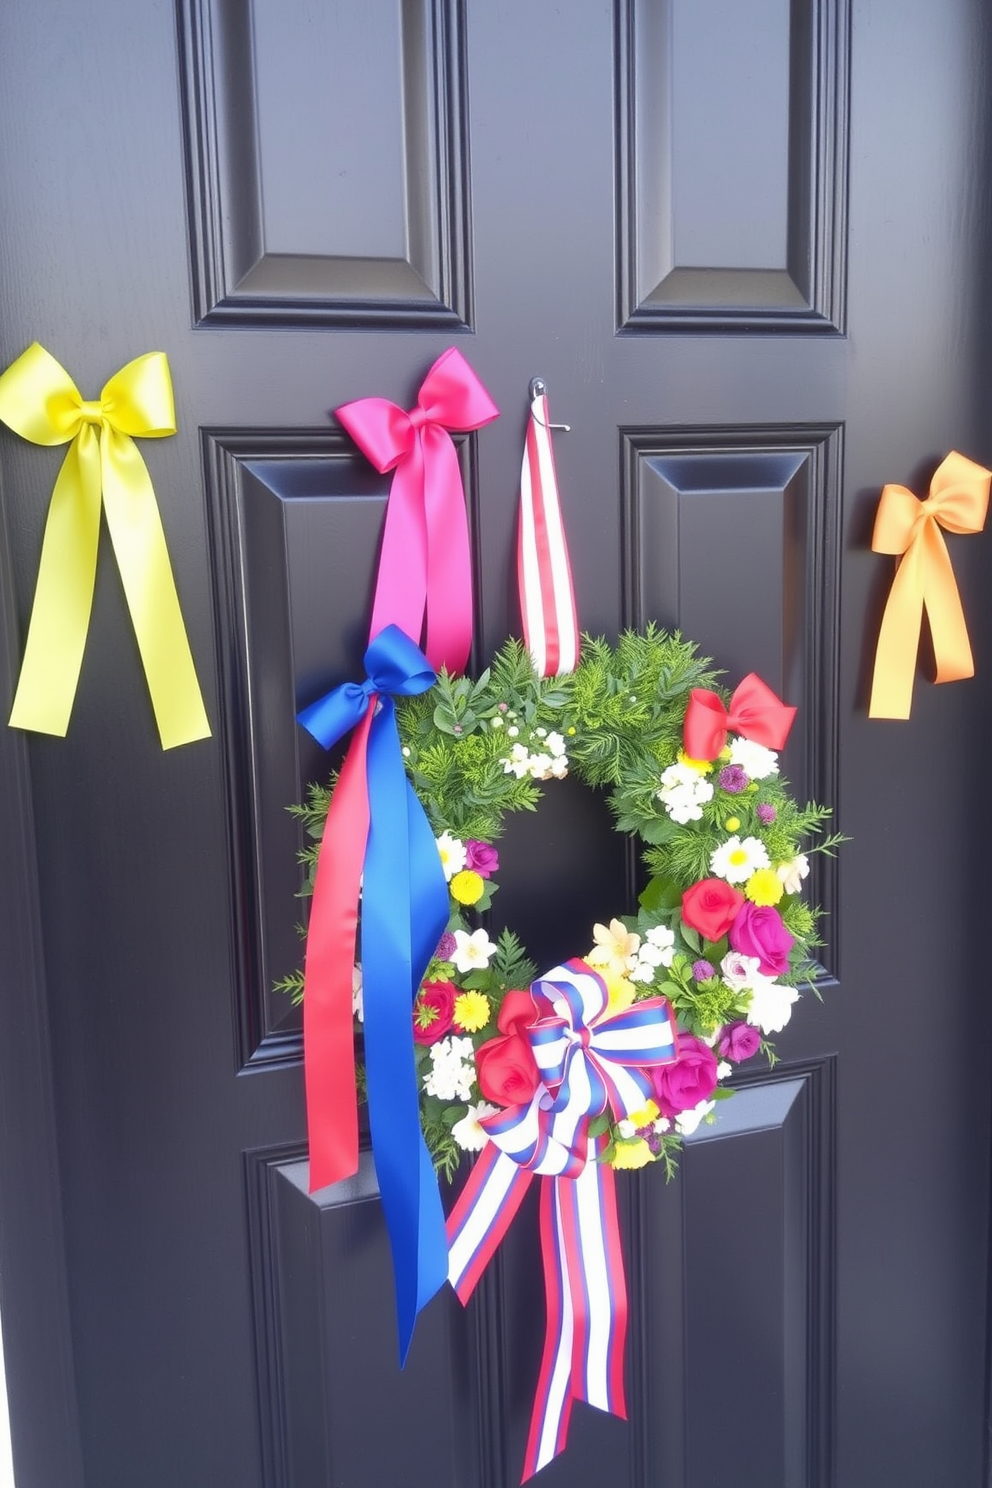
column 747, row 246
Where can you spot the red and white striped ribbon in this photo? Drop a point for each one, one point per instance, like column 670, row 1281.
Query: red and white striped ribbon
column 544, row 574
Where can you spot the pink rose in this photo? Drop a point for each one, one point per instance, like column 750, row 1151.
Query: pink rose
column 433, row 1011
column 738, row 1041
column 758, row 931
column 481, row 857
column 691, row 1079
column 710, row 907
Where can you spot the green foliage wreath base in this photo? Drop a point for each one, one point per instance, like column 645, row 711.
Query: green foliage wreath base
column 621, row 716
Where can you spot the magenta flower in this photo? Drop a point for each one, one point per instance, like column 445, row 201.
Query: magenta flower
column 738, row 1041
column 481, row 857
column 766, row 813
column 446, row 946
column 703, row 970
column 733, row 780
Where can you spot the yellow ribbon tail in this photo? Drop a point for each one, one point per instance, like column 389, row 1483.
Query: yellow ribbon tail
column 924, row 578
column 60, row 615
column 150, row 590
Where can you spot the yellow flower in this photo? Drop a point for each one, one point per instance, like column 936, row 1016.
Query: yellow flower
column 471, row 1011
column 732, row 823
column 631, row 1154
column 764, row 887
column 467, row 886
column 701, row 767
column 615, row 949
column 646, row 1116
column 622, row 992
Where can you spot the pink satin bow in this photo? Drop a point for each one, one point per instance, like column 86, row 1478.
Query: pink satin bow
column 755, row 712
column 425, row 567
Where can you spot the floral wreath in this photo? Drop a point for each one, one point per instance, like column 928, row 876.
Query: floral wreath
column 720, row 932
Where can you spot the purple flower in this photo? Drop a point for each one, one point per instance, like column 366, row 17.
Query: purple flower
column 738, row 1041
column 702, row 971
column 733, row 780
column 766, row 813
column 446, row 946
column 481, row 857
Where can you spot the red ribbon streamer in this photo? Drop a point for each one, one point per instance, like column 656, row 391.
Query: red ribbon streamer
column 328, row 1020
column 425, row 567
column 755, row 712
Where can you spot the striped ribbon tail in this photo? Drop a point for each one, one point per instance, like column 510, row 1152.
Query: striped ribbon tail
column 586, row 1296
column 484, row 1212
column 544, row 574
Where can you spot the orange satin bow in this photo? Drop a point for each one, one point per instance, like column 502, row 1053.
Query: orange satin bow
column 910, row 529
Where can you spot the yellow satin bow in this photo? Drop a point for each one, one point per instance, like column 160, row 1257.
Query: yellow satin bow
column 39, row 400
column 958, row 502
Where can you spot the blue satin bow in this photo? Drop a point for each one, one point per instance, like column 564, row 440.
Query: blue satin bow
column 404, row 915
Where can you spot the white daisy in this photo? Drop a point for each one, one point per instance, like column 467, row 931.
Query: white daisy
column 755, row 760
column 453, row 854
column 737, row 858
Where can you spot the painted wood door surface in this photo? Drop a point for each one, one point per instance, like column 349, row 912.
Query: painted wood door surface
column 748, row 248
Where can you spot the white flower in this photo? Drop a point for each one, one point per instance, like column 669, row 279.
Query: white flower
column 662, row 1125
column 472, row 952
column 468, row 1133
column 737, row 858
column 555, row 744
column 357, row 1000
column 723, row 1069
column 452, row 1071
column 658, row 950
column 683, row 793
column 793, row 873
column 540, row 766
column 642, row 972
column 626, row 1128
column 513, row 731
column 559, row 767
column 687, row 1121
column 453, row 854
column 770, row 1007
column 519, row 762
column 755, row 760
column 496, row 722
column 739, row 972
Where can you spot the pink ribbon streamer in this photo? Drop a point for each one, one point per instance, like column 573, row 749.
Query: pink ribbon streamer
column 425, row 567
column 544, row 574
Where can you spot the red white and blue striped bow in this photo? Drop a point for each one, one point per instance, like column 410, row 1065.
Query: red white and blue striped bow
column 590, row 1060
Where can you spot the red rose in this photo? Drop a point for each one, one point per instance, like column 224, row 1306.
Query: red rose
column 518, row 1011
column 758, row 931
column 691, row 1079
column 433, row 1011
column 506, row 1070
column 711, row 907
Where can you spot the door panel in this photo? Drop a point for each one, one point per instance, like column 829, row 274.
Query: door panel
column 648, row 204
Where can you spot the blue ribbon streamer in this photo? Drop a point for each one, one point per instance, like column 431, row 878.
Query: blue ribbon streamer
column 404, row 915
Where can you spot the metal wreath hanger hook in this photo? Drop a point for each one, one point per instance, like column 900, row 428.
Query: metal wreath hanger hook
column 539, row 389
